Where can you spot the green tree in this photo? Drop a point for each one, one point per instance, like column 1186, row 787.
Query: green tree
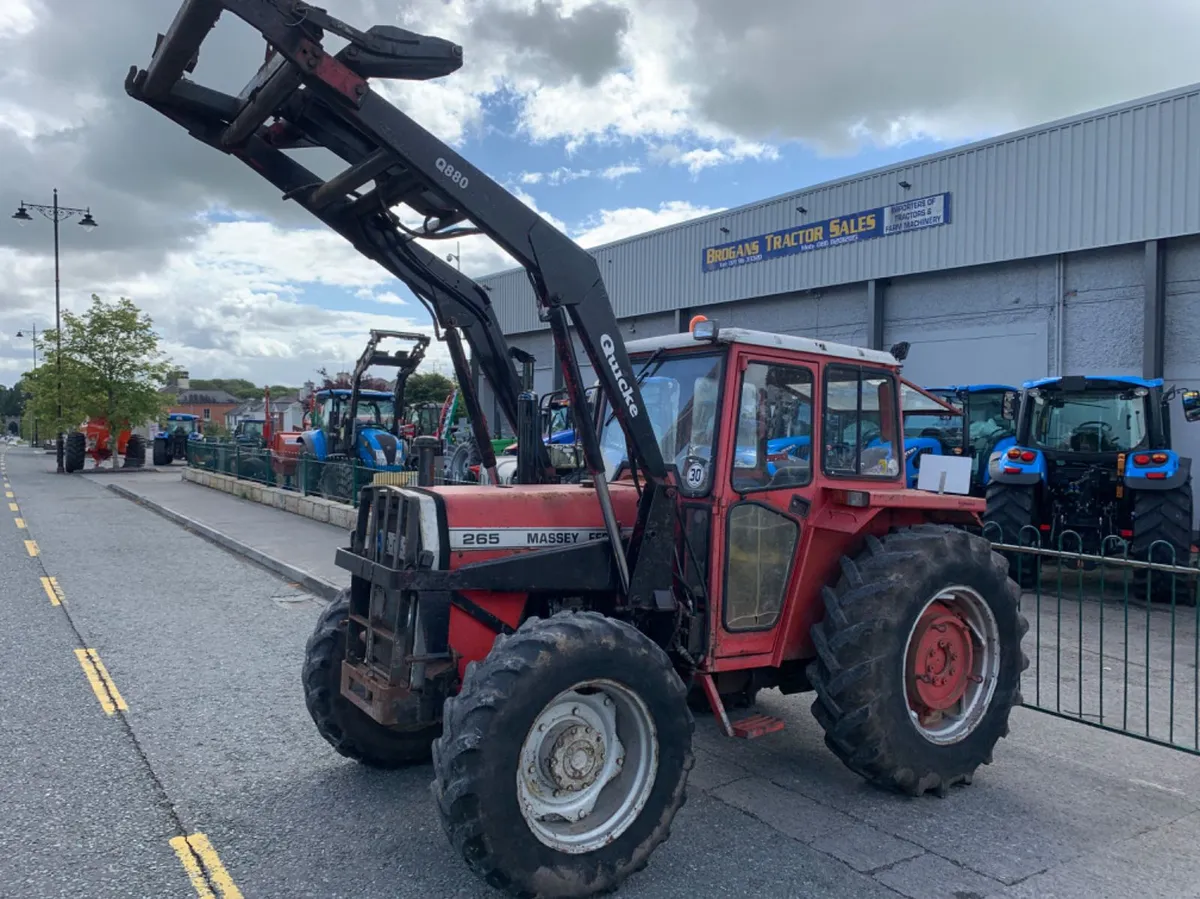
column 424, row 387
column 112, row 369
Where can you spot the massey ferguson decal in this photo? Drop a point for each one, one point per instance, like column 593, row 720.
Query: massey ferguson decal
column 523, row 538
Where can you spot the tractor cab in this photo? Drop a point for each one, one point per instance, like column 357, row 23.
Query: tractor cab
column 1090, row 463
column 980, row 428
column 250, row 431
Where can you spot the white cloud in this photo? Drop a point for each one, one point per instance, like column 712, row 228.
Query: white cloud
column 616, row 224
column 563, row 174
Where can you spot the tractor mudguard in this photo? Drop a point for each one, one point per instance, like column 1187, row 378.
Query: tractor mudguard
column 1168, row 475
column 1003, row 445
column 314, row 442
column 1021, row 471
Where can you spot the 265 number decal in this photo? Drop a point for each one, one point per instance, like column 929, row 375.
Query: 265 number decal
column 480, row 538
column 455, row 176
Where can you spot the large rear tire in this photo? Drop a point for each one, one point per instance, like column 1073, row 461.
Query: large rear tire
column 1162, row 533
column 160, row 456
column 75, row 451
column 336, row 481
column 349, row 730
column 1012, row 508
column 135, row 452
column 919, row 659
column 564, row 757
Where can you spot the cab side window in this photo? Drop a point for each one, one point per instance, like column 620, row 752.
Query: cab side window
column 774, row 434
column 860, row 422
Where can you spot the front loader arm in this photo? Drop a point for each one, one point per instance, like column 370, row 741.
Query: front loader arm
column 324, row 99
column 303, row 96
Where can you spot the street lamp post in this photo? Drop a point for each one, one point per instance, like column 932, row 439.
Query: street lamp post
column 56, row 214
column 22, row 334
column 456, row 256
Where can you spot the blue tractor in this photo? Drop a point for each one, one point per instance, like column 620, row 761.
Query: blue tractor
column 356, row 435
column 1090, row 460
column 976, row 432
column 171, row 442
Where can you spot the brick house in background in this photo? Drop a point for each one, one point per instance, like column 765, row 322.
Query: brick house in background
column 207, row 405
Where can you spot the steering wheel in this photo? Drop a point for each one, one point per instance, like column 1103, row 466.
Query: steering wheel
column 1104, row 427
column 841, row 455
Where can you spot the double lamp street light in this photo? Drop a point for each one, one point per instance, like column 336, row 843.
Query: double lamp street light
column 56, row 214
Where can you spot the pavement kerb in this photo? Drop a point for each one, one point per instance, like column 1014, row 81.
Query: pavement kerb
column 315, row 508
column 316, row 585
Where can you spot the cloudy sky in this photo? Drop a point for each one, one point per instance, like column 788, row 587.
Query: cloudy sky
column 609, row 117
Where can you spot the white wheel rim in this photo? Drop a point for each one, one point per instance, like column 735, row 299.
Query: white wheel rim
column 587, row 766
column 956, row 723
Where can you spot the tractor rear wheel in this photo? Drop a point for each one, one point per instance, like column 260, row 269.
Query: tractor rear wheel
column 349, row 730
column 75, row 451
column 1162, row 533
column 337, row 478
column 160, row 456
column 919, row 659
column 135, row 452
column 1012, row 511
column 564, row 757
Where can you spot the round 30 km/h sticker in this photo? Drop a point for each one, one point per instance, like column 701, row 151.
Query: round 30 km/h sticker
column 694, row 477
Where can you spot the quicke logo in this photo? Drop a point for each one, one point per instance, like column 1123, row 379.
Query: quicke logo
column 606, row 344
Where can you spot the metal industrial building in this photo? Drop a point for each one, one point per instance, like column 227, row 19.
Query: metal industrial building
column 1071, row 248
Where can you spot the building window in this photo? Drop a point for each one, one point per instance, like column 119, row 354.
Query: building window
column 207, row 414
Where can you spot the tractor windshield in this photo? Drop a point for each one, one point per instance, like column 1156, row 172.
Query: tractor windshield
column 376, row 412
column 252, row 429
column 1092, row 421
column 925, row 418
column 181, row 425
column 680, row 397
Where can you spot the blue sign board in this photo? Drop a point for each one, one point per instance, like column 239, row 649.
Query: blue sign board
column 911, row 215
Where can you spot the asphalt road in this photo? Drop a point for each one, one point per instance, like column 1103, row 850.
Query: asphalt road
column 205, row 651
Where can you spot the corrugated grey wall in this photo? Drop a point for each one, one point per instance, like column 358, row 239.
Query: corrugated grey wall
column 1121, row 175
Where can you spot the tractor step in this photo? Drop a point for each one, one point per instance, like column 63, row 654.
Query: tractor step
column 756, row 726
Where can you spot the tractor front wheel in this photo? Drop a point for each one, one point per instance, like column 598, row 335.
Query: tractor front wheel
column 919, row 659
column 75, row 451
column 349, row 730
column 564, row 757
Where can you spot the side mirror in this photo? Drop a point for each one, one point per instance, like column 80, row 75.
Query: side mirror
column 1009, row 407
column 1190, row 400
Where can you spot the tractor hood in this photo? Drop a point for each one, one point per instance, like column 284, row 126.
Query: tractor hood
column 380, row 449
column 500, row 520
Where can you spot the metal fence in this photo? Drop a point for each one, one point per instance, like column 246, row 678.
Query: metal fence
column 1114, row 640
column 339, row 479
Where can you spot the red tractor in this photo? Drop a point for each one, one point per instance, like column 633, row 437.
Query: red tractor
column 540, row 640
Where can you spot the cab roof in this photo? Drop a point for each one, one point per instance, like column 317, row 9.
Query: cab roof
column 345, row 391
column 1115, row 379
column 972, row 388
column 766, row 339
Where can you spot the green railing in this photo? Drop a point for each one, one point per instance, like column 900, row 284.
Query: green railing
column 1114, row 640
column 340, row 480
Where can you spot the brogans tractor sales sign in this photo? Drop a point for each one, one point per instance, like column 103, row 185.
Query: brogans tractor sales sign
column 911, row 215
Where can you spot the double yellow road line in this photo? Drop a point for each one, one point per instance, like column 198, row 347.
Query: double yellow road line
column 200, row 861
column 204, row 868
column 102, row 683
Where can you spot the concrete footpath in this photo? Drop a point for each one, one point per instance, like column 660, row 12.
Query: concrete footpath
column 297, row 548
